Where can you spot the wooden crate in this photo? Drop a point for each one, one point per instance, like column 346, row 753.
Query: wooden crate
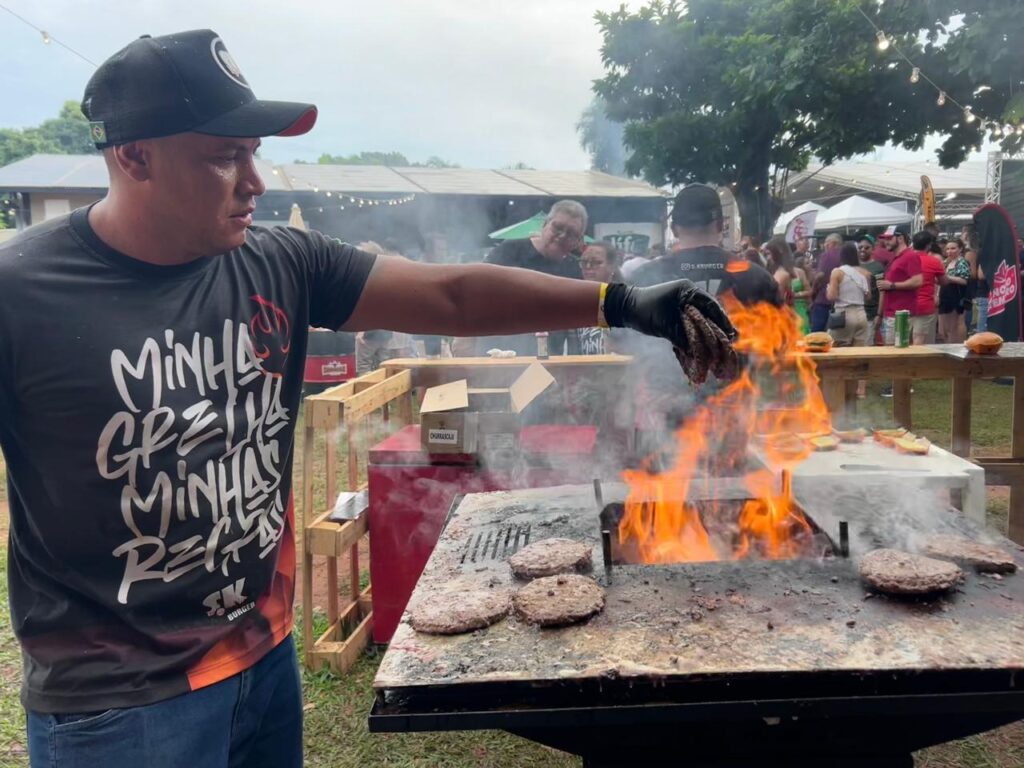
column 342, row 413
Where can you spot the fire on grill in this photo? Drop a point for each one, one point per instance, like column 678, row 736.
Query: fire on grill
column 772, row 527
column 660, row 523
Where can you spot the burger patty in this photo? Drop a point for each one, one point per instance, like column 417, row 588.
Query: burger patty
column 901, row 573
column 557, row 601
column 982, row 557
column 549, row 557
column 460, row 610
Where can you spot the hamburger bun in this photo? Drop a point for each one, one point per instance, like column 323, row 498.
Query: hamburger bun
column 984, row 343
column 818, row 342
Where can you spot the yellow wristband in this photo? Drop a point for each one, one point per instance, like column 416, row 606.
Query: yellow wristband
column 601, row 322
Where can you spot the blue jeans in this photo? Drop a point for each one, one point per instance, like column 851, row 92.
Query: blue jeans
column 253, row 719
column 819, row 317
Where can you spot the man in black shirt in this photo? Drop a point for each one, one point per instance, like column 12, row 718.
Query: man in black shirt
column 152, row 349
column 552, row 252
column 698, row 256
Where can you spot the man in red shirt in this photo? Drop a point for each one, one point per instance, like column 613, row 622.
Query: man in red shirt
column 898, row 291
column 882, row 252
column 933, row 274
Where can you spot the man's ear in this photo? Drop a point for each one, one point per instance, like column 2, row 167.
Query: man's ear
column 133, row 160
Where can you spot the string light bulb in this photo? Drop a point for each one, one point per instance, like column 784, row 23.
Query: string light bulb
column 883, row 41
column 968, row 115
column 46, row 36
column 915, row 75
column 941, row 101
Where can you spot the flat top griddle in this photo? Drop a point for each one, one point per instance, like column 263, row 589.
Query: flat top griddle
column 706, row 631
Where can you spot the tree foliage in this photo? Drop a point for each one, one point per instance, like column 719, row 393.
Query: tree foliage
column 383, row 158
column 66, row 134
column 738, row 92
column 602, row 138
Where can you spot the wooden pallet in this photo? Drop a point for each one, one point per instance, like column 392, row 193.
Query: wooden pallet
column 342, row 413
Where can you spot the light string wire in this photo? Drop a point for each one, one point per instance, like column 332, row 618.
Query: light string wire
column 47, row 37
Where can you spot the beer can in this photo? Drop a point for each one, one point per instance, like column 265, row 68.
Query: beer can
column 902, row 328
column 542, row 345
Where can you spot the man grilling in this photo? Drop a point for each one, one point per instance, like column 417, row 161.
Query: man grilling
column 151, row 361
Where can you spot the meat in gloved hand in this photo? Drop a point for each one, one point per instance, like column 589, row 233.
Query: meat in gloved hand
column 695, row 358
column 722, row 358
column 701, row 337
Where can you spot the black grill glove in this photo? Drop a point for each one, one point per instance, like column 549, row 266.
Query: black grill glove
column 658, row 310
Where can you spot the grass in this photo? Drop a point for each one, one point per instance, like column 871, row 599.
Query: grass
column 336, row 707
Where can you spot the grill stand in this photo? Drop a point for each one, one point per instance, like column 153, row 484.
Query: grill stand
column 865, row 732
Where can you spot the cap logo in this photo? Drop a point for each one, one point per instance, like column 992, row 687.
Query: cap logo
column 226, row 62
column 98, row 132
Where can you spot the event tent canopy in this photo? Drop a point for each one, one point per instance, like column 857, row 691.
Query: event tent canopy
column 788, row 216
column 526, row 228
column 857, row 211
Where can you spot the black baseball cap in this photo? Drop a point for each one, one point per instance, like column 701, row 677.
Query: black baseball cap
column 696, row 205
column 159, row 86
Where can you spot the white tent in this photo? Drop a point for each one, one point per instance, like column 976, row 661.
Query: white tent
column 788, row 216
column 857, row 211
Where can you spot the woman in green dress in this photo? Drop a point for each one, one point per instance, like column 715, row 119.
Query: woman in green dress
column 794, row 286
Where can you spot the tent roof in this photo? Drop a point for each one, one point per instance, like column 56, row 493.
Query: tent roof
column 520, row 229
column 83, row 172
column 899, row 179
column 525, row 228
column 857, row 211
column 89, row 172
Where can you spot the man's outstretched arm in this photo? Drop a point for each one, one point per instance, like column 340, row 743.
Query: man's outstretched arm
column 470, row 299
column 484, row 300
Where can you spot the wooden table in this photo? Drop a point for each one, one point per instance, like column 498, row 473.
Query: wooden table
column 430, row 372
column 840, row 367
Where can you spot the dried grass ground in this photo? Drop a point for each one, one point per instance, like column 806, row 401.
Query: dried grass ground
column 336, row 707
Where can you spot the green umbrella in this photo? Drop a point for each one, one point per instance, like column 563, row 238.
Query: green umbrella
column 528, row 228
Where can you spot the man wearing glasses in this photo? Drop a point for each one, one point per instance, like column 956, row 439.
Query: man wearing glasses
column 552, row 252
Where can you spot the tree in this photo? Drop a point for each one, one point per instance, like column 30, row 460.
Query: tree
column 66, row 134
column 383, row 158
column 740, row 92
column 602, row 139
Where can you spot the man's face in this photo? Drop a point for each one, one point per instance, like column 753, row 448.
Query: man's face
column 205, row 187
column 801, row 245
column 561, row 236
column 864, row 249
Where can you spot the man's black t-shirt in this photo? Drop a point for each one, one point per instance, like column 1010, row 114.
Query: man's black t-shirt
column 522, row 254
column 147, row 416
column 711, row 269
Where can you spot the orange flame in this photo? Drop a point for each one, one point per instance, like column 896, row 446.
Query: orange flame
column 775, row 400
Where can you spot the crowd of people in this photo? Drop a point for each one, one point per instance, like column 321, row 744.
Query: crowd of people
column 851, row 288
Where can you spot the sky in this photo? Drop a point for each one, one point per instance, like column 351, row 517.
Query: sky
column 480, row 83
column 483, row 84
